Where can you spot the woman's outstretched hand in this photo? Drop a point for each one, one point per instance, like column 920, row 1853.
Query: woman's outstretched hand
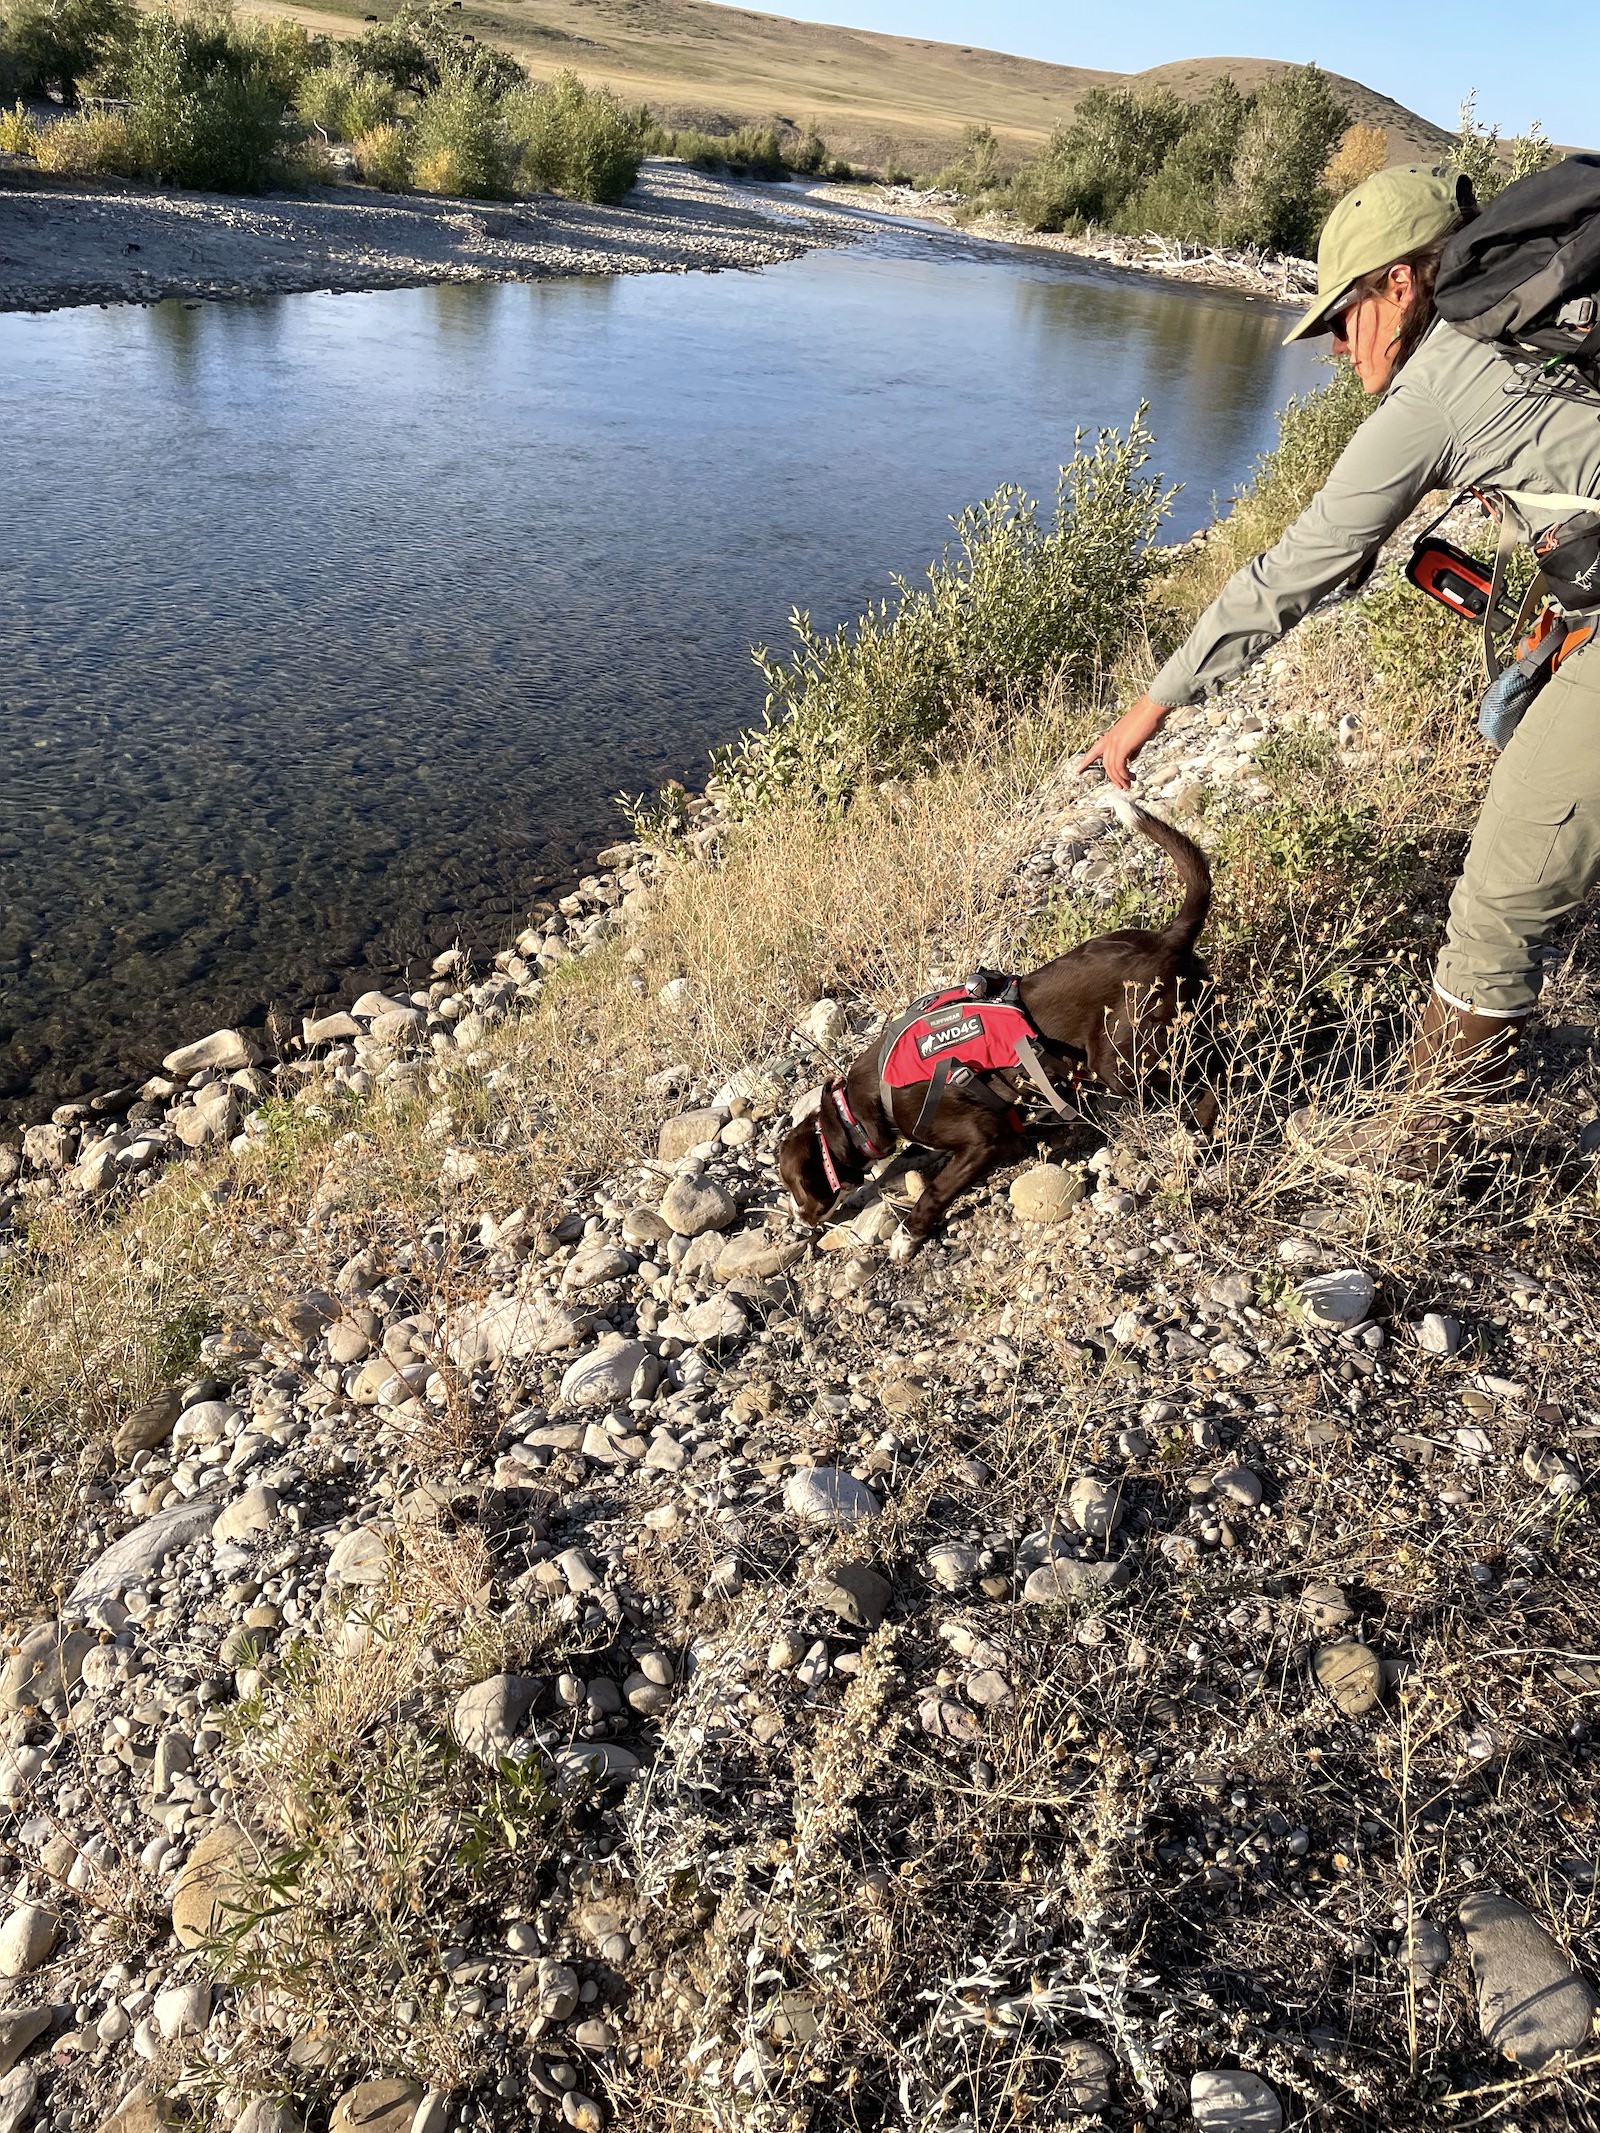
column 1119, row 744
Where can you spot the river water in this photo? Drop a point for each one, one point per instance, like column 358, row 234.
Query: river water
column 330, row 625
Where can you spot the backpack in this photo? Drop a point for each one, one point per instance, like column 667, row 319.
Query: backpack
column 1525, row 274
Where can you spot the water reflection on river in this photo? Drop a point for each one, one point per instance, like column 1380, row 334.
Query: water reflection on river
column 329, row 625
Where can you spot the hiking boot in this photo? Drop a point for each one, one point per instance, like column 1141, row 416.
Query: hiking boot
column 1457, row 1056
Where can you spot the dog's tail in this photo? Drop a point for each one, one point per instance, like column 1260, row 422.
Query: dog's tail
column 1194, row 870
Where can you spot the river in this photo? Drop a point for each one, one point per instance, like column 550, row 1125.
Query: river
column 330, row 625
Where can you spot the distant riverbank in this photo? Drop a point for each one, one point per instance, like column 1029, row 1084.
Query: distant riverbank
column 1273, row 275
column 94, row 242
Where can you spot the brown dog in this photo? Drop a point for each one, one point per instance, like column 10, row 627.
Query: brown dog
column 1100, row 1013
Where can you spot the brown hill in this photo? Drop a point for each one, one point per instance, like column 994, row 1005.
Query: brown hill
column 875, row 98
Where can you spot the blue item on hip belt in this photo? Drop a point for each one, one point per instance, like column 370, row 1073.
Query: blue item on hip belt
column 1505, row 701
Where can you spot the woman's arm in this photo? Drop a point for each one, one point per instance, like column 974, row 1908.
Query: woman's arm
column 1400, row 452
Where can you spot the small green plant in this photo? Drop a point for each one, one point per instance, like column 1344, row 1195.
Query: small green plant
column 975, row 167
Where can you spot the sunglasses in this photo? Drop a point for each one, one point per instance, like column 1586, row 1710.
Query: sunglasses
column 1342, row 309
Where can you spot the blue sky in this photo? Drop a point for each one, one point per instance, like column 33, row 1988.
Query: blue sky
column 1524, row 64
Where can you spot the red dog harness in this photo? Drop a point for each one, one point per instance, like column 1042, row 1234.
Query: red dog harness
column 958, row 1038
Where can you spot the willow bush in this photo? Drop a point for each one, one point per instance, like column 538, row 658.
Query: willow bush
column 1016, row 606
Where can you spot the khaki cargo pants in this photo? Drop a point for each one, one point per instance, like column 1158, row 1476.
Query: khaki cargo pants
column 1535, row 853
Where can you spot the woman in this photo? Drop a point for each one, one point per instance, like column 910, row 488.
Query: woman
column 1453, row 415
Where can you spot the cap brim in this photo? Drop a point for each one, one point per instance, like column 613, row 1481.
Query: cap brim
column 1316, row 320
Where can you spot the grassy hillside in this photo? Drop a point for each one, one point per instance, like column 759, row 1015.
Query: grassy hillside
column 873, row 97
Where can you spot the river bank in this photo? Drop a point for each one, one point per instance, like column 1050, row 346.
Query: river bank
column 65, row 243
column 509, row 1630
column 1263, row 274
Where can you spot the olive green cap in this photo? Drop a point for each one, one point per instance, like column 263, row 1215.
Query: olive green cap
column 1386, row 217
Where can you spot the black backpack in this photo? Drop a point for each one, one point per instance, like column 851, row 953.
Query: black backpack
column 1525, row 274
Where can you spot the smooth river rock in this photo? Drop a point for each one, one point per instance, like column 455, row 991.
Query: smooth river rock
column 1352, row 1674
column 603, row 1377
column 139, row 1554
column 695, row 1205
column 1532, row 2005
column 1230, row 2100
column 1343, row 1298
column 206, row 1894
column 828, row 1495
column 225, row 1051
column 45, row 1669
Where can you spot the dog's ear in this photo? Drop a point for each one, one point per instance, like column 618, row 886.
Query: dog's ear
column 800, row 1167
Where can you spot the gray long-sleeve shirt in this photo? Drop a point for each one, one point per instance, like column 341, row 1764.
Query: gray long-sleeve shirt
column 1447, row 422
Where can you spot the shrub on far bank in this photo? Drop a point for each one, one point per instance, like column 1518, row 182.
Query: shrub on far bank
column 47, row 47
column 574, row 139
column 383, row 158
column 767, row 152
column 91, row 142
column 204, row 109
column 460, row 143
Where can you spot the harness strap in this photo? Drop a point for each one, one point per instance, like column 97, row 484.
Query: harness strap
column 932, row 1101
column 1029, row 1059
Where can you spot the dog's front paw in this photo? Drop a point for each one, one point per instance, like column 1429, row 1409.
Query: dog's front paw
column 903, row 1245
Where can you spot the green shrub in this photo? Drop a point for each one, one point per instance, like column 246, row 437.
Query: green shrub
column 19, row 132
column 84, row 143
column 975, row 167
column 204, row 111
column 1018, row 608
column 320, row 99
column 383, row 158
column 286, row 53
column 419, row 49
column 1182, row 198
column 460, row 142
column 574, row 139
column 1275, row 196
column 53, row 45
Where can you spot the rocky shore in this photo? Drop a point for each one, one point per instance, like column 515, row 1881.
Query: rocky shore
column 65, row 243
column 625, row 1658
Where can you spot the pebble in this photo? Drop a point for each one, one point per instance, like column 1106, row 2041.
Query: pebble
column 689, row 1130
column 1352, row 1675
column 1067, row 1580
column 1532, row 2005
column 376, row 2107
column 20, row 2027
column 208, row 1886
column 828, row 1495
column 604, row 1377
column 182, row 2010
column 45, row 1669
column 487, row 1715
column 1238, row 1485
column 855, row 1593
column 695, row 1205
column 1230, row 2100
column 1047, row 1193
column 953, row 1564
column 19, row 2091
column 1096, row 1506
column 1343, row 1298
column 1425, row 1949
column 1438, row 1334
column 26, row 1939
column 129, row 1561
